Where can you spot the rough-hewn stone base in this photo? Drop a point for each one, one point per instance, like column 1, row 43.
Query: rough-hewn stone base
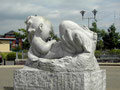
column 33, row 79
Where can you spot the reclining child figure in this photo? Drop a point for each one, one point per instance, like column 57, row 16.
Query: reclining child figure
column 74, row 51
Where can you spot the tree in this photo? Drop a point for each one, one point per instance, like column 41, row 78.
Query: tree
column 112, row 38
column 100, row 45
column 94, row 27
column 100, row 34
column 23, row 35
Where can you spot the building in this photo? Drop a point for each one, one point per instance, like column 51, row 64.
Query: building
column 5, row 44
column 10, row 34
column 1, row 36
column 8, row 42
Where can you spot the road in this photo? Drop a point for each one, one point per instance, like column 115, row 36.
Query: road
column 6, row 77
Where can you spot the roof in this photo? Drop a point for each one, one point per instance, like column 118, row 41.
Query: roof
column 7, row 38
column 10, row 32
column 1, row 36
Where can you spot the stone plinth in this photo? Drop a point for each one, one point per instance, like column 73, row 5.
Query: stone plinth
column 34, row 79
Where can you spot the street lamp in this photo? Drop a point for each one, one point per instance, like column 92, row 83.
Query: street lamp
column 82, row 13
column 89, row 18
column 94, row 13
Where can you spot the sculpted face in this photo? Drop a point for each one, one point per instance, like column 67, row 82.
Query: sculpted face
column 40, row 25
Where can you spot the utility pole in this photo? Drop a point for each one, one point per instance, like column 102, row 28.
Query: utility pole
column 114, row 17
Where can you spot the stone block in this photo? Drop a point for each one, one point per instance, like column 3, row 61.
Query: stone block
column 34, row 79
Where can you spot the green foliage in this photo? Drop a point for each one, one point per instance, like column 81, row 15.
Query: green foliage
column 106, row 40
column 112, row 38
column 4, row 55
column 94, row 27
column 53, row 36
column 114, row 51
column 16, row 49
column 100, row 34
column 11, row 56
column 98, row 53
column 20, row 55
column 25, row 51
column 23, row 35
column 100, row 45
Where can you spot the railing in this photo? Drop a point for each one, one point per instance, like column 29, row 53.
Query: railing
column 109, row 58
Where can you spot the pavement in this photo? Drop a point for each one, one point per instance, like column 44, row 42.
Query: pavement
column 109, row 64
column 6, row 76
column 7, row 71
column 112, row 77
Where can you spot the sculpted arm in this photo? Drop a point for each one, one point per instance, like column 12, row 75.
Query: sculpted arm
column 31, row 56
column 42, row 46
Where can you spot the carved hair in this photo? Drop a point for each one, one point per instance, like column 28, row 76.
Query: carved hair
column 38, row 24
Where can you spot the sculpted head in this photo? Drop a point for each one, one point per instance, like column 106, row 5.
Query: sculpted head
column 40, row 25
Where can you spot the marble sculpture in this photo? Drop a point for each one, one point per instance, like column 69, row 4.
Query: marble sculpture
column 74, row 51
column 69, row 64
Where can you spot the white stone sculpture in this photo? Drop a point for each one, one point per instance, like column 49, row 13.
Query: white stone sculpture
column 69, row 64
column 39, row 30
column 75, row 50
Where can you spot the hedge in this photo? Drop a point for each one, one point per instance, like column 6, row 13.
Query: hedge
column 10, row 56
column 98, row 53
column 4, row 55
column 114, row 51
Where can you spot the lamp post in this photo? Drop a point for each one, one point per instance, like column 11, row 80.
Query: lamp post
column 82, row 13
column 94, row 12
column 89, row 18
column 16, row 45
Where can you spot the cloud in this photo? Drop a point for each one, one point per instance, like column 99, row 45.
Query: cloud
column 53, row 14
column 14, row 12
column 8, row 25
column 20, row 9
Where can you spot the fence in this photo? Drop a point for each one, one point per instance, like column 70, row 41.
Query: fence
column 109, row 58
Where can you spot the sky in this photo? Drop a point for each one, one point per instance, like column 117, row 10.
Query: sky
column 13, row 13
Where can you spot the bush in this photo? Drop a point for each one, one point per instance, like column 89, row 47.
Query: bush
column 25, row 51
column 11, row 56
column 4, row 55
column 114, row 51
column 16, row 49
column 98, row 53
column 111, row 52
column 20, row 55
